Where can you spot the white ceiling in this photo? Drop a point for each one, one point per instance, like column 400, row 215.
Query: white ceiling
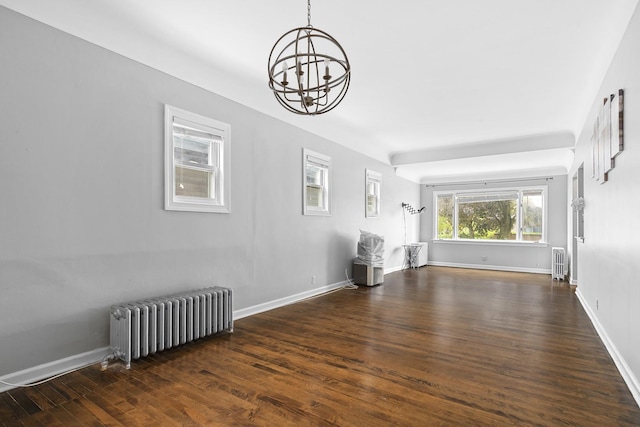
column 445, row 90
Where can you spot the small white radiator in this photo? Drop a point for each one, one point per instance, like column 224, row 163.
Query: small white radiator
column 147, row 326
column 423, row 255
column 557, row 263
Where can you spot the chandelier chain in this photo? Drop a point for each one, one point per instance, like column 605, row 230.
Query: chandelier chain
column 309, row 12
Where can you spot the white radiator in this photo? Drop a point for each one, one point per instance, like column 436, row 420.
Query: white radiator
column 557, row 263
column 148, row 326
column 423, row 255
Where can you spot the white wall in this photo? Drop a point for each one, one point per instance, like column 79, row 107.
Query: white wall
column 609, row 259
column 82, row 224
column 510, row 257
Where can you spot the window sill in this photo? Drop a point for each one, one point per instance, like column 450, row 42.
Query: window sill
column 309, row 212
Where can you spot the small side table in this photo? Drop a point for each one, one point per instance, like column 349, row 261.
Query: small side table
column 411, row 256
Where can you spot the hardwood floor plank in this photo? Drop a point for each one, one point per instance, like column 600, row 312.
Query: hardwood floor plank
column 10, row 409
column 63, row 416
column 38, row 398
column 48, row 419
column 21, row 397
column 63, row 390
column 50, row 394
column 81, row 414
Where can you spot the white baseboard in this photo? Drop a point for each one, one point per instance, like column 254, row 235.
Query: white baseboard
column 392, row 269
column 281, row 302
column 47, row 370
column 492, row 267
column 626, row 372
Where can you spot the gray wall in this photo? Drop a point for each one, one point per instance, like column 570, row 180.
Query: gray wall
column 609, row 259
column 82, row 223
column 511, row 257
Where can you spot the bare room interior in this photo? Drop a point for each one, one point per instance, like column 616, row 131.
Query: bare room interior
column 319, row 213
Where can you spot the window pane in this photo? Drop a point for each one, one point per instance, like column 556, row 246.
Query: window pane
column 194, row 183
column 532, row 216
column 315, row 197
column 201, row 153
column 373, row 189
column 445, row 216
column 317, row 177
column 495, row 218
column 315, row 185
column 315, row 174
column 196, row 157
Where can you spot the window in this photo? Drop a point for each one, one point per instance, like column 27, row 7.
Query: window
column 516, row 215
column 196, row 161
column 316, row 190
column 444, row 202
column 372, row 193
column 532, row 216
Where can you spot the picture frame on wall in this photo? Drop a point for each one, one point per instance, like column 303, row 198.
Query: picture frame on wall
column 617, row 123
column 373, row 185
column 607, row 139
column 594, row 151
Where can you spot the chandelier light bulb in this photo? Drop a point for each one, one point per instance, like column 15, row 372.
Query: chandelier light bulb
column 284, row 73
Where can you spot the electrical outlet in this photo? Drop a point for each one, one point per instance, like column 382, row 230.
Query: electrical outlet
column 484, row 258
column 313, row 280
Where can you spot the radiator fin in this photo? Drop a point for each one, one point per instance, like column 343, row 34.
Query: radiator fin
column 140, row 328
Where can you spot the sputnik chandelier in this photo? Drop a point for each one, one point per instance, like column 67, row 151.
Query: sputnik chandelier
column 309, row 71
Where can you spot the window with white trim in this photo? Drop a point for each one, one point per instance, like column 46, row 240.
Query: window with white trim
column 511, row 214
column 196, row 162
column 316, row 185
column 372, row 193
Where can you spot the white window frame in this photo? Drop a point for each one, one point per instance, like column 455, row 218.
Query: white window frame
column 372, row 178
column 520, row 190
column 221, row 202
column 314, row 159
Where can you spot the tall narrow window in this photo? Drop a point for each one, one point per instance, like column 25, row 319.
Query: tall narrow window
column 532, row 215
column 196, row 161
column 316, row 190
column 373, row 181
column 445, row 216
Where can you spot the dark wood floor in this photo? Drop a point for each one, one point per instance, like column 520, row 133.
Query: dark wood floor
column 434, row 346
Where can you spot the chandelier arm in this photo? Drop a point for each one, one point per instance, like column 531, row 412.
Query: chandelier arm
column 333, row 104
column 288, row 106
column 271, row 69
